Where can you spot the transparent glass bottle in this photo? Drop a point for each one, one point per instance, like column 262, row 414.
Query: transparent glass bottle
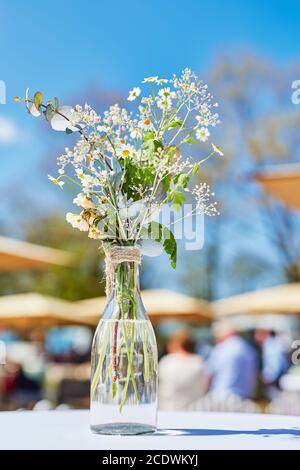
column 124, row 361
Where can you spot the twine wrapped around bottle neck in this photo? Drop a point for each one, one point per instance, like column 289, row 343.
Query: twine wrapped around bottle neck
column 115, row 256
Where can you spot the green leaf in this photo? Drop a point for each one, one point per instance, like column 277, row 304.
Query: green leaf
column 177, row 198
column 189, row 140
column 172, row 150
column 56, row 104
column 182, row 180
column 149, row 136
column 195, row 169
column 155, row 229
column 158, row 144
column 176, row 123
column 170, row 246
column 166, row 182
column 38, row 99
column 114, row 388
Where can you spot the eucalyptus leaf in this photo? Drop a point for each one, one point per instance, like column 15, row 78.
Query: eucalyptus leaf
column 151, row 247
column 38, row 100
column 48, row 113
column 56, row 104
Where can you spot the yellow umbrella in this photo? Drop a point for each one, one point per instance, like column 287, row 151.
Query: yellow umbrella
column 160, row 305
column 283, row 299
column 18, row 255
column 23, row 311
column 283, row 181
column 29, row 310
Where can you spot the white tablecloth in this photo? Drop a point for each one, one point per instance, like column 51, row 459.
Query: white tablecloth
column 70, row 430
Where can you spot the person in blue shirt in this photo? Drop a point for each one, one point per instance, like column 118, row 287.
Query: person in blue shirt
column 274, row 360
column 233, row 363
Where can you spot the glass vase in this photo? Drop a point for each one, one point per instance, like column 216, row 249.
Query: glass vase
column 124, row 360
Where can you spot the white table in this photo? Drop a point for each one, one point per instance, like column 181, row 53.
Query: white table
column 70, row 430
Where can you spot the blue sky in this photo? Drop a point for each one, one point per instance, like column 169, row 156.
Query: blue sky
column 62, row 47
column 66, row 47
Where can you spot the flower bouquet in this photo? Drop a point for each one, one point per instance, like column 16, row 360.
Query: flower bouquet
column 128, row 167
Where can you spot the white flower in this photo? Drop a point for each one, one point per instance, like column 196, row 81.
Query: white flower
column 217, row 150
column 145, row 123
column 166, row 93
column 77, row 221
column 82, row 200
column 161, row 81
column 150, row 79
column 165, row 98
column 122, row 141
column 125, row 151
column 202, row 120
column 94, row 233
column 134, row 93
column 79, row 173
column 164, row 103
column 56, row 181
column 202, row 134
column 89, row 181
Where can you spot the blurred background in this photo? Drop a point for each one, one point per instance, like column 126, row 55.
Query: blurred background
column 230, row 311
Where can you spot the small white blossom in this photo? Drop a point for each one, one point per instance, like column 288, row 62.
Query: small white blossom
column 202, row 134
column 150, row 79
column 134, row 93
column 125, row 151
column 217, row 150
column 82, row 200
column 161, row 81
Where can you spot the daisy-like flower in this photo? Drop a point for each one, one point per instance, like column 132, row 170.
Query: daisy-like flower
column 202, row 134
column 82, row 200
column 165, row 98
column 56, row 181
column 134, row 93
column 217, row 150
column 125, row 151
column 79, row 173
column 88, row 181
column 145, row 123
column 161, row 81
column 167, row 93
column 150, row 79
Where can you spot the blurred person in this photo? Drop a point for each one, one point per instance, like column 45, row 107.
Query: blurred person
column 233, row 363
column 182, row 376
column 274, row 360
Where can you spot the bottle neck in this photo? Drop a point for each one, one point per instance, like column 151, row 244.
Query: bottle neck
column 126, row 279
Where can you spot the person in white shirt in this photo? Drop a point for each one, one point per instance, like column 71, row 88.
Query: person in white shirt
column 182, row 376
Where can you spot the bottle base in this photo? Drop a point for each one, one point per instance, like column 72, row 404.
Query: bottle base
column 123, row 429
